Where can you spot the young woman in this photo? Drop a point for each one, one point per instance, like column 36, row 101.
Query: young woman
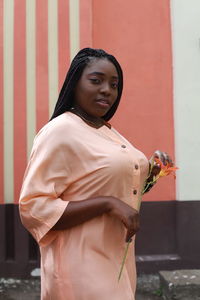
column 82, row 188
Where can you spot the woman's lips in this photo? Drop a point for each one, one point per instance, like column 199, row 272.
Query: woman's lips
column 103, row 103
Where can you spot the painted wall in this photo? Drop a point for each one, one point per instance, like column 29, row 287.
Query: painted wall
column 186, row 49
column 38, row 39
column 139, row 34
column 35, row 54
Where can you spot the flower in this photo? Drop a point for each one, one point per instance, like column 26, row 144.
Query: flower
column 165, row 170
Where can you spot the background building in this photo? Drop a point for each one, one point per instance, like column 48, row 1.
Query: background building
column 158, row 45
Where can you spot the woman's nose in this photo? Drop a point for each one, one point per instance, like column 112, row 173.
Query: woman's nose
column 105, row 88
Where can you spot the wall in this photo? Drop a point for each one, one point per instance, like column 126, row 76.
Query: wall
column 186, row 50
column 139, row 34
column 38, row 40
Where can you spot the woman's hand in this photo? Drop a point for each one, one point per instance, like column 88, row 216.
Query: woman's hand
column 164, row 158
column 155, row 168
column 127, row 215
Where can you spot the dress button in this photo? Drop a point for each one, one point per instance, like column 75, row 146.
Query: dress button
column 123, row 146
column 136, row 167
column 134, row 192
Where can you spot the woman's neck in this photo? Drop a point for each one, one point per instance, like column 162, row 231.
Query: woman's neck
column 93, row 121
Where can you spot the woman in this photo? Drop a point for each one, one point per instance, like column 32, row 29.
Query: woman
column 82, row 188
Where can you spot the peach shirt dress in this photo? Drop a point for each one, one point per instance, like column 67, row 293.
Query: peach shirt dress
column 72, row 161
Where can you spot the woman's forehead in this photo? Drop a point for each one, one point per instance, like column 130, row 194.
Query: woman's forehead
column 101, row 65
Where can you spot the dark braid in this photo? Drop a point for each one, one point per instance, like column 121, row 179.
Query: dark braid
column 78, row 64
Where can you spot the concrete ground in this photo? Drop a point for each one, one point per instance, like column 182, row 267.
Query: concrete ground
column 167, row 285
column 16, row 289
column 148, row 287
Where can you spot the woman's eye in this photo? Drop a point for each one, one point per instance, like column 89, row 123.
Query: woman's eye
column 95, row 80
column 114, row 85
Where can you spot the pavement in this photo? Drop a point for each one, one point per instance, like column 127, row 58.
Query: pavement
column 180, row 284
column 148, row 287
column 166, row 285
column 17, row 289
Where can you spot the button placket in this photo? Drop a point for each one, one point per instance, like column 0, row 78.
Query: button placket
column 136, row 178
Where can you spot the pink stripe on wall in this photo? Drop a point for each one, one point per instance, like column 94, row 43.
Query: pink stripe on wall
column 63, row 40
column 139, row 35
column 42, row 94
column 1, row 106
column 85, row 23
column 19, row 95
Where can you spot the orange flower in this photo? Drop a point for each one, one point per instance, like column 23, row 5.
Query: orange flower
column 165, row 169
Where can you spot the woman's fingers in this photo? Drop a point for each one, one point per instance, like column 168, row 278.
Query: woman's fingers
column 129, row 235
column 155, row 170
column 155, row 167
column 164, row 157
column 161, row 156
column 127, row 215
column 168, row 159
column 133, row 225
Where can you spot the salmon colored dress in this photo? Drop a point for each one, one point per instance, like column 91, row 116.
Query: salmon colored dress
column 72, row 161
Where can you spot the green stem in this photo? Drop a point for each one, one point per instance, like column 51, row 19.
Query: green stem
column 127, row 246
column 123, row 261
column 148, row 184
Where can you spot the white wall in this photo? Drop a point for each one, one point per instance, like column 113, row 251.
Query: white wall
column 185, row 17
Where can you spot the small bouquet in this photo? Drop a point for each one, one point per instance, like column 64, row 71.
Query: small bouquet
column 165, row 170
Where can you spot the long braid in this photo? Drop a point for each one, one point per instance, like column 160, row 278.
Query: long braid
column 80, row 61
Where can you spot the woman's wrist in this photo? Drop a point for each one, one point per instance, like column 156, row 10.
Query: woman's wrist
column 110, row 204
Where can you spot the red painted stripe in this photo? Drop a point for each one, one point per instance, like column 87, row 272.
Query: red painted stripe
column 19, row 95
column 63, row 40
column 85, row 23
column 42, row 94
column 1, row 106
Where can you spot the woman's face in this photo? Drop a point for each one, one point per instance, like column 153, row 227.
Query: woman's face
column 97, row 89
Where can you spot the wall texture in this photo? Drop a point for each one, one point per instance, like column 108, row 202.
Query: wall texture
column 186, row 57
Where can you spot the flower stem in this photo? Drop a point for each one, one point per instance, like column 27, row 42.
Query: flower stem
column 123, row 261
column 148, row 184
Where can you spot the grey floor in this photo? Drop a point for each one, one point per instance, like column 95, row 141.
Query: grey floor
column 13, row 289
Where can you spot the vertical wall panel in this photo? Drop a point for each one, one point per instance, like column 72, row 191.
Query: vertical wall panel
column 19, row 95
column 1, row 106
column 74, row 32
column 53, row 53
column 42, row 78
column 30, row 73
column 8, row 114
column 139, row 34
column 63, row 40
column 186, row 52
column 85, row 23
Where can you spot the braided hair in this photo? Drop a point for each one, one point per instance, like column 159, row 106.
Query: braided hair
column 81, row 60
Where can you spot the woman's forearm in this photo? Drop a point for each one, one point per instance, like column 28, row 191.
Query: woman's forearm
column 78, row 212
